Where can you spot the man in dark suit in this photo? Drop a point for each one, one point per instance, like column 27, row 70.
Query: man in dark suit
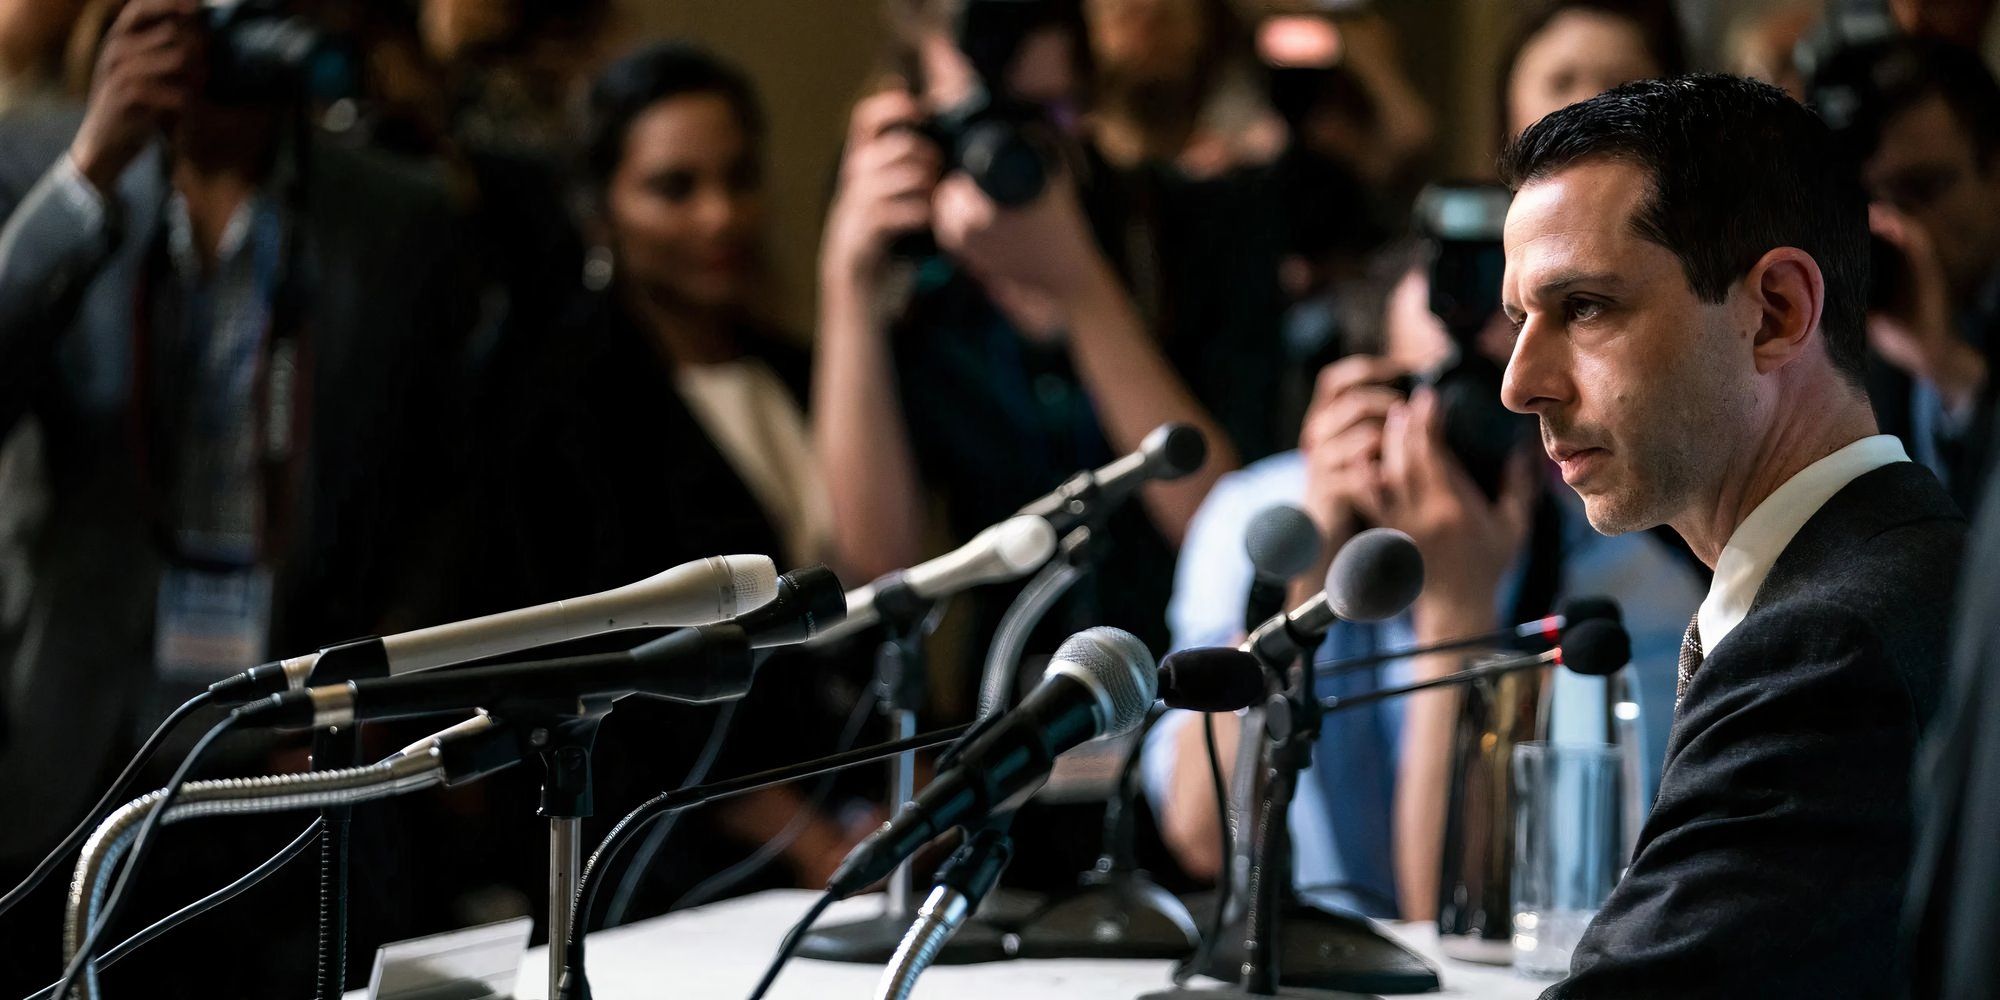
column 1691, row 336
column 1954, row 899
column 222, row 361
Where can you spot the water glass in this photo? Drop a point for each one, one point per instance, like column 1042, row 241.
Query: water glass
column 1567, row 849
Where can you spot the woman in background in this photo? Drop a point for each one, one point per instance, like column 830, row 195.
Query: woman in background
column 662, row 424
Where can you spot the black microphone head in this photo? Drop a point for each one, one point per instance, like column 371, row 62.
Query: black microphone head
column 808, row 600
column 1375, row 576
column 1282, row 542
column 1596, row 647
column 1173, row 451
column 1118, row 670
column 1583, row 609
column 1211, row 679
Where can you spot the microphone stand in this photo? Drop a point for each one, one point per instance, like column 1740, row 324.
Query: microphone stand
column 563, row 741
column 1281, row 945
column 899, row 681
column 334, row 748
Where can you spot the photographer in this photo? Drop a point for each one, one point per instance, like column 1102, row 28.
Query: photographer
column 1368, row 827
column 234, row 348
column 1922, row 119
column 991, row 372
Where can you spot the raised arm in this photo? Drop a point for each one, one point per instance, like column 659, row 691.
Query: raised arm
column 886, row 179
column 57, row 237
column 1042, row 267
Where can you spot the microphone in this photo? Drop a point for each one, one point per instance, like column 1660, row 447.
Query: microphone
column 701, row 592
column 1595, row 647
column 1201, row 683
column 705, row 663
column 961, row 884
column 1002, row 552
column 1540, row 633
column 1100, row 683
column 1376, row 575
column 1170, row 451
column 1282, row 543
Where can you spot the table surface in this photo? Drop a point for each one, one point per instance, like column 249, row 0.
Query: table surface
column 720, row 949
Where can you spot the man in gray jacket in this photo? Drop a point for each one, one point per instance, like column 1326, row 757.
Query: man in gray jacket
column 224, row 361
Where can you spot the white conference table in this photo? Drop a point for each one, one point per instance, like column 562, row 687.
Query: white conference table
column 719, row 950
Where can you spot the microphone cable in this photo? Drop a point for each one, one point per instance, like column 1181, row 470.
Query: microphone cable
column 621, row 897
column 723, row 881
column 574, row 985
column 140, row 848
column 286, row 855
column 791, row 945
column 1224, row 877
column 112, row 796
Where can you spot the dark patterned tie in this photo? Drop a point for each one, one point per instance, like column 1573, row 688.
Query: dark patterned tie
column 1690, row 659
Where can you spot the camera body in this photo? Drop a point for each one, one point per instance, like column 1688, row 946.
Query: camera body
column 259, row 54
column 1461, row 227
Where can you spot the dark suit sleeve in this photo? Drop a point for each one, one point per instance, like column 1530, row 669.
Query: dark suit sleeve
column 52, row 243
column 1774, row 856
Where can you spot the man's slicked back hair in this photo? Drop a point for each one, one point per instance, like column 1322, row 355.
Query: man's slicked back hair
column 1738, row 169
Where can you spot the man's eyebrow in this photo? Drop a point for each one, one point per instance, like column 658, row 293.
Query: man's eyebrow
column 1563, row 281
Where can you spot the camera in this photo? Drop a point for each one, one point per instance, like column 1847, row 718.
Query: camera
column 259, row 53
column 1461, row 226
column 1889, row 281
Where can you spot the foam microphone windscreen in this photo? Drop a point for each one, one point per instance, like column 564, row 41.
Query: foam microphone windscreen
column 1582, row 609
column 1282, row 542
column 1375, row 576
column 1596, row 647
column 1174, row 450
column 1211, row 679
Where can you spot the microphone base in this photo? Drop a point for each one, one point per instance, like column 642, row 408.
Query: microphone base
column 1115, row 915
column 1322, row 950
column 991, row 935
column 1233, row 992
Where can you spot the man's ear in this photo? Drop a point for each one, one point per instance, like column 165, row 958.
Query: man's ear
column 1788, row 293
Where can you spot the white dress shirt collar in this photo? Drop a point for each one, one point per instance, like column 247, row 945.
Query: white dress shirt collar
column 1747, row 558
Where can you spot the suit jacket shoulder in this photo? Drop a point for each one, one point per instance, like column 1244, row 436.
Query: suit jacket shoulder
column 1774, row 861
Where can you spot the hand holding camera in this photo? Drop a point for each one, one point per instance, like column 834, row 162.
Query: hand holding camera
column 1912, row 329
column 886, row 182
column 148, row 72
column 1374, row 456
column 1424, row 491
column 1043, row 247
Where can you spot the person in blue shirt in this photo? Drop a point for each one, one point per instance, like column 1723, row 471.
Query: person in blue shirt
column 1369, row 817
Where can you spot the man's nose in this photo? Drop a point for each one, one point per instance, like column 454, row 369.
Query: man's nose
column 1537, row 376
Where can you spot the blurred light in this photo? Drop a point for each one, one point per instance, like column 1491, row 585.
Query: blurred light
column 1301, row 41
column 1626, row 711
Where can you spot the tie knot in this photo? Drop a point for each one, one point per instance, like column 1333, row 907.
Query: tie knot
column 1690, row 659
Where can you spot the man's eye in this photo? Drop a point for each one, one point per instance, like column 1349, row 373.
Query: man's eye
column 1582, row 310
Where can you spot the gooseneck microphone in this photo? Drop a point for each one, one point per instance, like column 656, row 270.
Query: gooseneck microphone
column 705, row 663
column 1100, row 683
column 1282, row 542
column 1006, row 551
column 1530, row 636
column 1169, row 451
column 1376, row 575
column 701, row 592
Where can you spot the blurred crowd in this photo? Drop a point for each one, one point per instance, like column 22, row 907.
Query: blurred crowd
column 474, row 310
